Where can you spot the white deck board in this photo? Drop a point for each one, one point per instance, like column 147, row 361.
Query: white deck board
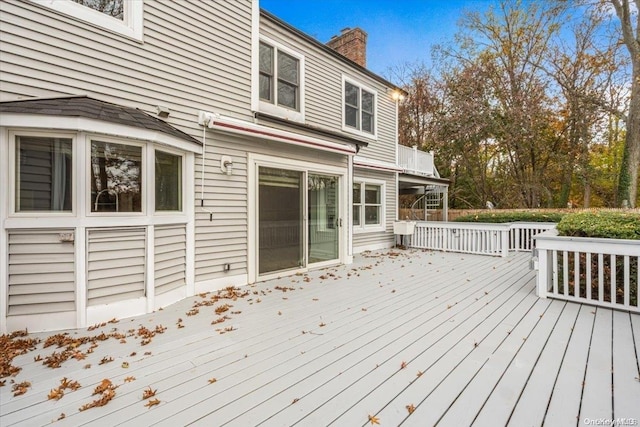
column 458, row 319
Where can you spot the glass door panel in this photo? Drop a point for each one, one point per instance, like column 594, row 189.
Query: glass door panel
column 323, row 215
column 280, row 220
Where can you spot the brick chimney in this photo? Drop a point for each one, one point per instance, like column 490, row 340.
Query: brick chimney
column 352, row 43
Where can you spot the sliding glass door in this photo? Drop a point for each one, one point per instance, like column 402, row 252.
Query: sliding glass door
column 280, row 220
column 324, row 221
column 298, row 219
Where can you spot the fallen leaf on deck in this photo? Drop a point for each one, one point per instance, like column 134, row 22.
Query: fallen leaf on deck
column 374, row 420
column 403, row 365
column 411, row 408
column 419, row 374
column 129, row 379
column 147, row 393
column 61, row 417
column 295, row 400
column 151, row 403
column 212, row 380
column 55, row 394
column 20, row 388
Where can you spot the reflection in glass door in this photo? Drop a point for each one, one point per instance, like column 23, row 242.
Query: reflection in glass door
column 280, row 220
column 323, row 214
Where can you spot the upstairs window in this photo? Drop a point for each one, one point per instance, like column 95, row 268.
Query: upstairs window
column 359, row 109
column 43, row 174
column 124, row 17
column 113, row 8
column 279, row 77
column 280, row 89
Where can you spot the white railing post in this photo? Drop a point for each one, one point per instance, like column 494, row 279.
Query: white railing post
column 543, row 273
column 504, row 235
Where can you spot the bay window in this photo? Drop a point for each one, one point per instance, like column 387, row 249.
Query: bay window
column 168, row 174
column 44, row 173
column 116, row 177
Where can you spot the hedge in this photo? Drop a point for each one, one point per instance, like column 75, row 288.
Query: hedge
column 613, row 225
column 510, row 216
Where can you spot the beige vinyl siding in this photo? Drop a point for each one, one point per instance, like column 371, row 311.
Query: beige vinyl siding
column 115, row 264
column 323, row 92
column 195, row 55
column 170, row 257
column 41, row 272
column 224, row 239
column 386, row 237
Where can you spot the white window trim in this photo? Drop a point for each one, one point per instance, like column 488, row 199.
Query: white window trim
column 374, row 135
column 147, row 191
column 131, row 26
column 274, row 109
column 152, row 197
column 369, row 228
column 12, row 172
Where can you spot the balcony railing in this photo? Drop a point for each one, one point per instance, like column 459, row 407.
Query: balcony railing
column 416, row 162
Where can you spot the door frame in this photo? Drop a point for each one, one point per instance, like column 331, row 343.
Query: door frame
column 257, row 160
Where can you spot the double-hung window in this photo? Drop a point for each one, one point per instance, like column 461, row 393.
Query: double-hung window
column 368, row 205
column 359, row 109
column 280, row 81
column 120, row 16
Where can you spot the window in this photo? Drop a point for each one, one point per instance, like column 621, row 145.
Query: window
column 279, row 78
column 43, row 174
column 168, row 172
column 116, row 177
column 280, row 90
column 120, row 16
column 359, row 108
column 368, row 207
column 114, row 8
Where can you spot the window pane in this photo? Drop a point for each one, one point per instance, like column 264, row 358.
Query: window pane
column 113, row 8
column 168, row 182
column 287, row 68
column 367, row 102
column 372, row 194
column 356, row 215
column 350, row 94
column 356, row 193
column 116, row 177
column 266, row 59
column 367, row 122
column 43, row 174
column 372, row 215
column 287, row 95
column 265, row 87
column 351, row 117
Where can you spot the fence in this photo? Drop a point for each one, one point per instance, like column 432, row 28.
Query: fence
column 477, row 238
column 602, row 272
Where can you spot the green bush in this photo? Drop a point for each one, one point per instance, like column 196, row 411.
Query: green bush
column 613, row 225
column 510, row 216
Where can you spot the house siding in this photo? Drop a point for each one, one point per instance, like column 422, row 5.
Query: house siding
column 364, row 240
column 223, row 237
column 115, row 264
column 41, row 272
column 323, row 92
column 194, row 56
column 170, row 257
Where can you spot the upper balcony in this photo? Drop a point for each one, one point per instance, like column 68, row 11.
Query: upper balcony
column 416, row 162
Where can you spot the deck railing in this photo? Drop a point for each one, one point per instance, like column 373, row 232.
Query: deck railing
column 476, row 238
column 602, row 272
column 415, row 162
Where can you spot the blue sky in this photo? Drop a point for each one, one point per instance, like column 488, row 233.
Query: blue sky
column 398, row 31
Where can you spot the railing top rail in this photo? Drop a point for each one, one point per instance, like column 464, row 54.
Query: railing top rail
column 463, row 225
column 551, row 240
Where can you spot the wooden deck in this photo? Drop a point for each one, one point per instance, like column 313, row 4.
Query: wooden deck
column 456, row 339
